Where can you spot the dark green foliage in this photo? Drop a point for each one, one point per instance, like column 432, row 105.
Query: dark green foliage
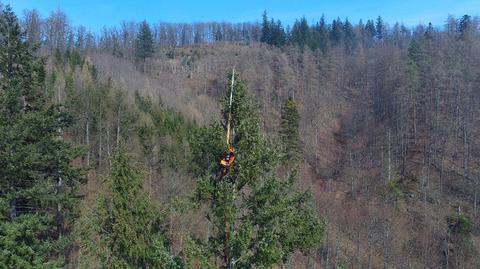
column 300, row 34
column 259, row 219
column 349, row 36
column 465, row 26
column 380, row 29
column 168, row 131
column 289, row 133
column 272, row 32
column 320, row 36
column 75, row 59
column 284, row 221
column 460, row 228
column 195, row 255
column 337, row 34
column 460, row 224
column 278, row 33
column 265, row 38
column 22, row 74
column 416, row 51
column 144, row 45
column 429, row 32
column 123, row 229
column 370, row 30
column 38, row 183
column 208, row 147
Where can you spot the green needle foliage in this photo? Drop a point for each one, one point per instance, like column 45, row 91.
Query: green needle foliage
column 144, row 42
column 460, row 228
column 123, row 229
column 289, row 133
column 259, row 219
column 37, row 180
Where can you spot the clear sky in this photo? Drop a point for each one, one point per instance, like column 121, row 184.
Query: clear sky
column 96, row 14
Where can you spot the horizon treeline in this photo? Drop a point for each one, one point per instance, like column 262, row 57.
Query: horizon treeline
column 56, row 32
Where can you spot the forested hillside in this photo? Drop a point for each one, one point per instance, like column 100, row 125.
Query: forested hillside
column 357, row 144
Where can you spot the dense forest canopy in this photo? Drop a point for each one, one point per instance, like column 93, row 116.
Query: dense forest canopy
column 356, row 144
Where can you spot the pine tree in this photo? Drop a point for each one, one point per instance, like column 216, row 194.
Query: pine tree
column 123, row 229
column 289, row 133
column 337, row 34
column 144, row 45
column 272, row 32
column 38, row 183
column 259, row 218
column 459, row 235
column 370, row 30
column 278, row 34
column 349, row 35
column 300, row 34
column 465, row 26
column 266, row 35
column 320, row 36
column 380, row 29
column 429, row 32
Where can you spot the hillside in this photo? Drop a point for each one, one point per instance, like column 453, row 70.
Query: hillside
column 388, row 168
column 193, row 83
column 372, row 219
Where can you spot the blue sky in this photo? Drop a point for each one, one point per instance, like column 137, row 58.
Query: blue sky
column 96, row 14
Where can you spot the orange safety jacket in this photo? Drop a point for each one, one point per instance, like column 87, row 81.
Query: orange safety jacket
column 229, row 157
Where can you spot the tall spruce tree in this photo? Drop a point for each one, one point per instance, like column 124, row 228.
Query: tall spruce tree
column 258, row 218
column 278, row 34
column 123, row 229
column 370, row 30
column 144, row 45
column 465, row 26
column 272, row 32
column 380, row 28
column 337, row 34
column 266, row 32
column 320, row 38
column 37, row 181
column 349, row 35
column 289, row 133
column 300, row 34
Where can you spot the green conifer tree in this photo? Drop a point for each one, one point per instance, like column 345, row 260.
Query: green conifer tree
column 266, row 32
column 37, row 180
column 144, row 45
column 380, row 29
column 465, row 26
column 349, row 35
column 300, row 34
column 320, row 36
column 337, row 33
column 289, row 133
column 258, row 218
column 370, row 30
column 123, row 229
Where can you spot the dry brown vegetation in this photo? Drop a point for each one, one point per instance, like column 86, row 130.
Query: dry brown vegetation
column 389, row 131
column 347, row 104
